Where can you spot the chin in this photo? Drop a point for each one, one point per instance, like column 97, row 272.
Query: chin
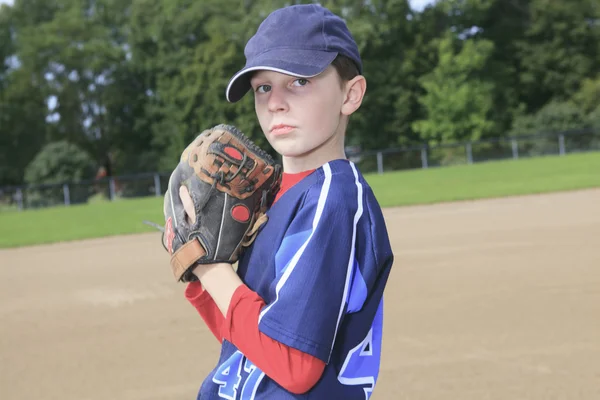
column 291, row 154
column 288, row 149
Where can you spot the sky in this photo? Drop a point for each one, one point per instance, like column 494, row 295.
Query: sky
column 416, row 4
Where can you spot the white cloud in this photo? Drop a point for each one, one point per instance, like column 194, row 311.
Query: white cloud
column 419, row 5
column 9, row 2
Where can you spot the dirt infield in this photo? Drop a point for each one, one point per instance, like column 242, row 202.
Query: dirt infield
column 488, row 300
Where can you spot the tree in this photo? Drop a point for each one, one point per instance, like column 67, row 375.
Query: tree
column 58, row 162
column 132, row 82
column 560, row 49
column 22, row 105
column 188, row 51
column 588, row 96
column 504, row 23
column 554, row 117
column 458, row 101
column 76, row 54
column 594, row 119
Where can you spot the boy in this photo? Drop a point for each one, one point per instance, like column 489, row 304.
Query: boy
column 302, row 317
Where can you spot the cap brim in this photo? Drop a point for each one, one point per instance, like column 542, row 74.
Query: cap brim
column 308, row 63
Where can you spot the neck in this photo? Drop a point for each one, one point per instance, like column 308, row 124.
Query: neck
column 294, row 165
column 332, row 149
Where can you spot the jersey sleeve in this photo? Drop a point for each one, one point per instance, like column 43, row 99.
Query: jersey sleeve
column 314, row 267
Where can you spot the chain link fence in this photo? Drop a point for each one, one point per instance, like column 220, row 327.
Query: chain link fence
column 474, row 152
column 155, row 184
column 39, row 196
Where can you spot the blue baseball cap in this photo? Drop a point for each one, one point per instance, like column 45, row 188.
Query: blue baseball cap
column 300, row 40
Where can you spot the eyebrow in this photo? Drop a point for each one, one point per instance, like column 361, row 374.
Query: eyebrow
column 255, row 76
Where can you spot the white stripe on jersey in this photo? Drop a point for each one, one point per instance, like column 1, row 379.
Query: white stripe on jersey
column 357, row 216
column 320, row 206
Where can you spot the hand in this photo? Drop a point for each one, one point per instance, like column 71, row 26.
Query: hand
column 188, row 205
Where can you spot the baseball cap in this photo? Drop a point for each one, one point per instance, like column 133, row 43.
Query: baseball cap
column 299, row 40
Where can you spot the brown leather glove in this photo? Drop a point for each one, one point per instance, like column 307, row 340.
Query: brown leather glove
column 232, row 183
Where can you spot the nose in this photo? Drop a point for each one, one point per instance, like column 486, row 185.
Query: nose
column 277, row 100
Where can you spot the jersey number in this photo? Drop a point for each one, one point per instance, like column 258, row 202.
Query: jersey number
column 361, row 366
column 229, row 375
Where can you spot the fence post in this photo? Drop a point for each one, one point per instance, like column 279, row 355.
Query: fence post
column 66, row 194
column 561, row 144
column 424, row 157
column 515, row 148
column 111, row 188
column 379, row 162
column 19, row 197
column 157, row 189
column 469, row 149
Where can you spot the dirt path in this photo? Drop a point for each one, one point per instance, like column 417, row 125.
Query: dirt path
column 495, row 299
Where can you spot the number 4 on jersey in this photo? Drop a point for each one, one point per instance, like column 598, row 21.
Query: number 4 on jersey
column 361, row 366
column 229, row 376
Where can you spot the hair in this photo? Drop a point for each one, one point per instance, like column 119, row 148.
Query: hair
column 346, row 68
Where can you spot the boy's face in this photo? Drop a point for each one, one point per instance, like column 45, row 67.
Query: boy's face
column 302, row 118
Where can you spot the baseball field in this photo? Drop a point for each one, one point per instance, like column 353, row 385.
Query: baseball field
column 489, row 299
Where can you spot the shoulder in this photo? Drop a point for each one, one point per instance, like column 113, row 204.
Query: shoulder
column 350, row 194
column 337, row 182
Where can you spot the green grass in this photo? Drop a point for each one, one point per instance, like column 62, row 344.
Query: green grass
column 98, row 219
column 484, row 180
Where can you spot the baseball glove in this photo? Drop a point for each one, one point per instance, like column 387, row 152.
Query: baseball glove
column 231, row 182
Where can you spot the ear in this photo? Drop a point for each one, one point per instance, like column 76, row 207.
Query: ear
column 354, row 93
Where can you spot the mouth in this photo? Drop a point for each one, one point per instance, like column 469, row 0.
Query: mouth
column 281, row 129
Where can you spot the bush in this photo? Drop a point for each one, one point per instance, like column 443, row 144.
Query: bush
column 594, row 119
column 555, row 117
column 588, row 96
column 58, row 163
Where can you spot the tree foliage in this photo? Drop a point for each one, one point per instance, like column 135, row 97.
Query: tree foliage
column 132, row 82
column 59, row 162
column 458, row 100
column 554, row 117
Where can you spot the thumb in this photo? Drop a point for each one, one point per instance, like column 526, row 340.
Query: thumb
column 188, row 204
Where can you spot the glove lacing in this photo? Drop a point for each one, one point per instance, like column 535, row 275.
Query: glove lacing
column 223, row 180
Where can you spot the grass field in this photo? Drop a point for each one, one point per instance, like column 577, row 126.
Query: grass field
column 484, row 180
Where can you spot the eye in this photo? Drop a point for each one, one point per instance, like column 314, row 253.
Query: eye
column 301, row 82
column 263, row 88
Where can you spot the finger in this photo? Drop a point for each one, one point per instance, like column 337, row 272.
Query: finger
column 188, row 204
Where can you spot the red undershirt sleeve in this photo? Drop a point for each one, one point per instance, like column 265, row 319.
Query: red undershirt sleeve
column 293, row 369
column 206, row 307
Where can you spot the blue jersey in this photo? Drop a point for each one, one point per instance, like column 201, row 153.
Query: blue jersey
column 320, row 263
